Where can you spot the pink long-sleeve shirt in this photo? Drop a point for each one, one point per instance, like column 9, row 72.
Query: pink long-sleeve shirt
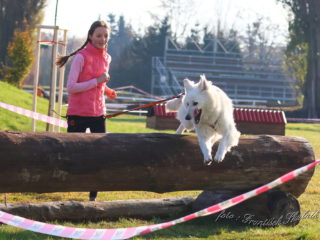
column 76, row 67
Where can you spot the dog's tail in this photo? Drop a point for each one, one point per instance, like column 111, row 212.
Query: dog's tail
column 173, row 105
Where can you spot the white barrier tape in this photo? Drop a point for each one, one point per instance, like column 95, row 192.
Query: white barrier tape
column 34, row 115
column 125, row 233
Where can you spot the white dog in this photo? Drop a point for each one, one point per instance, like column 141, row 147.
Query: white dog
column 208, row 110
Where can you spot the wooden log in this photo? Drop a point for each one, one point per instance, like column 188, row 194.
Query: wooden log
column 97, row 211
column 271, row 209
column 63, row 162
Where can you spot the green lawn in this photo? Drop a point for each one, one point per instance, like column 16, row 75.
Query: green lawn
column 202, row 228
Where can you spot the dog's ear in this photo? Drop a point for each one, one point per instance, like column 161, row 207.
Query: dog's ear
column 203, row 77
column 188, row 84
column 203, row 84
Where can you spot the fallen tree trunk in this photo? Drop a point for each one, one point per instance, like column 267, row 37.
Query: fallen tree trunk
column 63, row 162
column 270, row 209
column 97, row 211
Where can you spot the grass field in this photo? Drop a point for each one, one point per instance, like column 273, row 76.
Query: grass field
column 203, row 228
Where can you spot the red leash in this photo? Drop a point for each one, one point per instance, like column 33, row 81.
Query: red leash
column 143, row 106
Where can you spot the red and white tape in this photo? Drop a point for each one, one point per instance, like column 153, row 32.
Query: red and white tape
column 34, row 115
column 125, row 233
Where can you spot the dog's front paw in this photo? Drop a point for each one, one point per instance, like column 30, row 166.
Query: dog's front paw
column 208, row 161
column 219, row 157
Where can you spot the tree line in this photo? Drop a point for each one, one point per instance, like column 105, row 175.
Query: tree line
column 303, row 51
column 17, row 21
column 132, row 52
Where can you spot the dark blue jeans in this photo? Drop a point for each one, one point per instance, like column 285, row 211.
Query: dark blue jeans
column 80, row 124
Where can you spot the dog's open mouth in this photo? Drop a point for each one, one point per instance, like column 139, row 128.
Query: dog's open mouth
column 197, row 115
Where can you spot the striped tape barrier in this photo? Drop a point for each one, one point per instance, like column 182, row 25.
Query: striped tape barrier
column 34, row 115
column 125, row 233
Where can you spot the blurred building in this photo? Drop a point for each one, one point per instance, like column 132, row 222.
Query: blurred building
column 250, row 75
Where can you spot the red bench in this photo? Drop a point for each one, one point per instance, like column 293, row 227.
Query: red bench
column 249, row 121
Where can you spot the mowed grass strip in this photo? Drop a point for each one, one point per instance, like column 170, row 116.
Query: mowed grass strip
column 203, row 228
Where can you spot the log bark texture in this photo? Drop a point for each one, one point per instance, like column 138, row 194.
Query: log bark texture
column 64, row 162
column 97, row 211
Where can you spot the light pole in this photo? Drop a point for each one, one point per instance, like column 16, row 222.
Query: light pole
column 55, row 15
column 49, row 127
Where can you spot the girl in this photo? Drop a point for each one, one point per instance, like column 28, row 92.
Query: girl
column 87, row 83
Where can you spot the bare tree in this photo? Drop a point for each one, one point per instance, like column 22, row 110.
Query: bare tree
column 179, row 13
column 261, row 42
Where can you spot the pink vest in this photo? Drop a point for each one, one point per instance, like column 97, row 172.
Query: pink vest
column 90, row 103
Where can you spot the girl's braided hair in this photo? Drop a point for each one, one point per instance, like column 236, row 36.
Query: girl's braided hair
column 62, row 60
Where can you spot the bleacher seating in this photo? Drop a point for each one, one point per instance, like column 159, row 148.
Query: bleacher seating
column 241, row 77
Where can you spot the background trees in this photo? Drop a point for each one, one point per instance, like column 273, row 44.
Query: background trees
column 17, row 21
column 20, row 56
column 304, row 42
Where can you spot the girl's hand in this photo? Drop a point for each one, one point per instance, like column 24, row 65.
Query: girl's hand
column 104, row 77
column 112, row 94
